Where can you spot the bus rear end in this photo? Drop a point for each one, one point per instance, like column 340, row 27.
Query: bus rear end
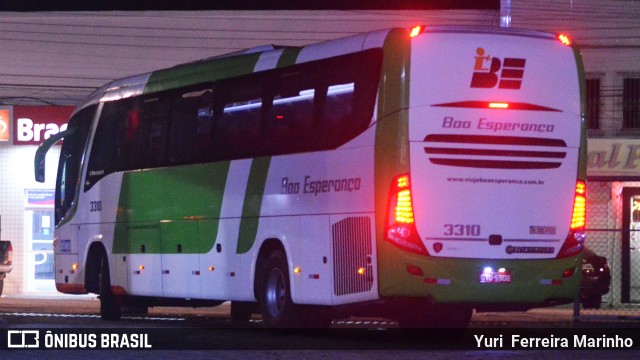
column 491, row 213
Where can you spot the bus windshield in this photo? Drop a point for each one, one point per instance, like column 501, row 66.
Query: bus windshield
column 70, row 159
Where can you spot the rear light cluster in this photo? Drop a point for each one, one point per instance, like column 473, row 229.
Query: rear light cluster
column 579, row 206
column 564, row 39
column 416, row 30
column 400, row 228
column 575, row 241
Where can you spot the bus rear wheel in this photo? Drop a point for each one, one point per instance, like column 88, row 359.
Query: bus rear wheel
column 274, row 298
column 276, row 306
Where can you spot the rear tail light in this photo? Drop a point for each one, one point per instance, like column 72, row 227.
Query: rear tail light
column 575, row 241
column 416, row 30
column 564, row 39
column 579, row 206
column 400, row 229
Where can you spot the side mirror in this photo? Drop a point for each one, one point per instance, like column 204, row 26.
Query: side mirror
column 41, row 153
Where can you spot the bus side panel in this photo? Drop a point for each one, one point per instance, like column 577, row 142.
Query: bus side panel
column 94, row 223
column 225, row 275
column 67, row 279
column 315, row 203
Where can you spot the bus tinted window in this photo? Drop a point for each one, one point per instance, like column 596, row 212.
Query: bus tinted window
column 130, row 135
column 192, row 126
column 241, row 101
column 312, row 106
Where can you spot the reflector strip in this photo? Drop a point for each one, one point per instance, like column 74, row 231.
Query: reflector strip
column 496, row 164
column 494, row 140
column 437, row 281
column 516, row 153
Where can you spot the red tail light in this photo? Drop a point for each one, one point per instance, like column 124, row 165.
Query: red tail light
column 416, row 30
column 564, row 39
column 575, row 241
column 400, row 229
column 579, row 206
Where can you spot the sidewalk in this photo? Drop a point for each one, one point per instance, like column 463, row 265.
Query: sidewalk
column 52, row 303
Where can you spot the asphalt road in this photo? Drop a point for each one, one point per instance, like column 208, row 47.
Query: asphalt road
column 208, row 332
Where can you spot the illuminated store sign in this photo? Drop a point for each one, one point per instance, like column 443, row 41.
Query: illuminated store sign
column 4, row 125
column 34, row 124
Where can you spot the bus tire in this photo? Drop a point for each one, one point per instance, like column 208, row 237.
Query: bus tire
column 274, row 295
column 110, row 308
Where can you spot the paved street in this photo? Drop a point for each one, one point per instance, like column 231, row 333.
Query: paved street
column 209, row 333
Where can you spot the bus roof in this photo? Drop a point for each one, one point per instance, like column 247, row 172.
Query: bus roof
column 244, row 61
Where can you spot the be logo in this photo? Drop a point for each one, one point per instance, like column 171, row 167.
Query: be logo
column 491, row 71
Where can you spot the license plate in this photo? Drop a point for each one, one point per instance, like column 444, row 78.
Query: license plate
column 495, row 277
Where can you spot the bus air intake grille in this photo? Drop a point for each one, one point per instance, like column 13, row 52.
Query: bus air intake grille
column 352, row 268
column 495, row 152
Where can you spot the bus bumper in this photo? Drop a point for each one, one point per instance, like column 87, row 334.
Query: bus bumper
column 530, row 283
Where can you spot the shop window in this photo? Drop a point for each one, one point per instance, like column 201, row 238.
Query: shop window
column 631, row 103
column 593, row 103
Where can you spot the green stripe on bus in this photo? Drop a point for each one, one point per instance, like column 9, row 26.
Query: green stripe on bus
column 391, row 144
column 253, row 203
column 170, row 210
column 288, row 57
column 200, row 72
column 252, row 206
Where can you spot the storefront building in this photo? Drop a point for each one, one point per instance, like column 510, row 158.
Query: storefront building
column 613, row 219
column 26, row 206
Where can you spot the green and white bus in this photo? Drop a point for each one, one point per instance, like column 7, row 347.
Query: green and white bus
column 416, row 176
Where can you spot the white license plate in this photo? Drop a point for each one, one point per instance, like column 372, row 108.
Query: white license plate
column 495, row 277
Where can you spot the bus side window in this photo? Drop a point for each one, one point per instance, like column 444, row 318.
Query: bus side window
column 109, row 151
column 148, row 147
column 290, row 119
column 339, row 119
column 192, row 126
column 240, row 121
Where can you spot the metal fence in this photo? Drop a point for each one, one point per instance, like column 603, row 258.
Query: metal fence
column 621, row 248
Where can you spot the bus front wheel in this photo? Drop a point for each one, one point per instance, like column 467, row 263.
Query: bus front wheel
column 110, row 308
